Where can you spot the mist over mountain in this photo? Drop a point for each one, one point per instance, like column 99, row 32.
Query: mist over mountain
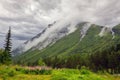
column 87, row 39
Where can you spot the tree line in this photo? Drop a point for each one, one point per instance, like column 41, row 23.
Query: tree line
column 107, row 60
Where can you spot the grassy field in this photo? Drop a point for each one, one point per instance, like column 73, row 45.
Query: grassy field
column 20, row 73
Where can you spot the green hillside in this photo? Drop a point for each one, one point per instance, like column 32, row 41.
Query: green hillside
column 71, row 45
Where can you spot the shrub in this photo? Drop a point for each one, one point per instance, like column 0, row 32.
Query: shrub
column 11, row 73
column 34, row 71
column 41, row 62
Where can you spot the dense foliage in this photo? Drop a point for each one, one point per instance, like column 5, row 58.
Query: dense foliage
column 105, row 61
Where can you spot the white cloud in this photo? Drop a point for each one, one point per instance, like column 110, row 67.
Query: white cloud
column 28, row 17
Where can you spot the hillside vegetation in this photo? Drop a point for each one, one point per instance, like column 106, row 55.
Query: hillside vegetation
column 71, row 44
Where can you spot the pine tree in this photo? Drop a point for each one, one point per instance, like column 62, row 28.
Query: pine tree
column 8, row 47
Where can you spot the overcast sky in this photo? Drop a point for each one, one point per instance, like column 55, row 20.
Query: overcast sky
column 28, row 17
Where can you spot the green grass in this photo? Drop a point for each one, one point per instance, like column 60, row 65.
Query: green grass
column 10, row 73
column 75, row 75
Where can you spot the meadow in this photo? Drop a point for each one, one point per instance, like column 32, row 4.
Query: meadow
column 23, row 73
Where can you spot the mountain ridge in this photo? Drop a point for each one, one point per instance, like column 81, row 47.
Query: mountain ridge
column 71, row 44
column 51, row 40
column 64, row 30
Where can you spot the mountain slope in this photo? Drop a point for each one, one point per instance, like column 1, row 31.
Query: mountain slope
column 48, row 36
column 75, row 43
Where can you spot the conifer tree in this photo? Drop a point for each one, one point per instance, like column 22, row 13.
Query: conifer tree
column 8, row 47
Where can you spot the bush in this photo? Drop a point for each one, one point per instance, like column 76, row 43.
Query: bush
column 40, row 72
column 41, row 62
column 11, row 73
column 35, row 71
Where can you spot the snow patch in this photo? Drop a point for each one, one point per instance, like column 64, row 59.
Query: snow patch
column 113, row 33
column 101, row 34
column 107, row 29
column 84, row 30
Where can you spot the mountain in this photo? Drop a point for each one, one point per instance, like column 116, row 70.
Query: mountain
column 86, row 39
column 30, row 44
column 47, row 36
